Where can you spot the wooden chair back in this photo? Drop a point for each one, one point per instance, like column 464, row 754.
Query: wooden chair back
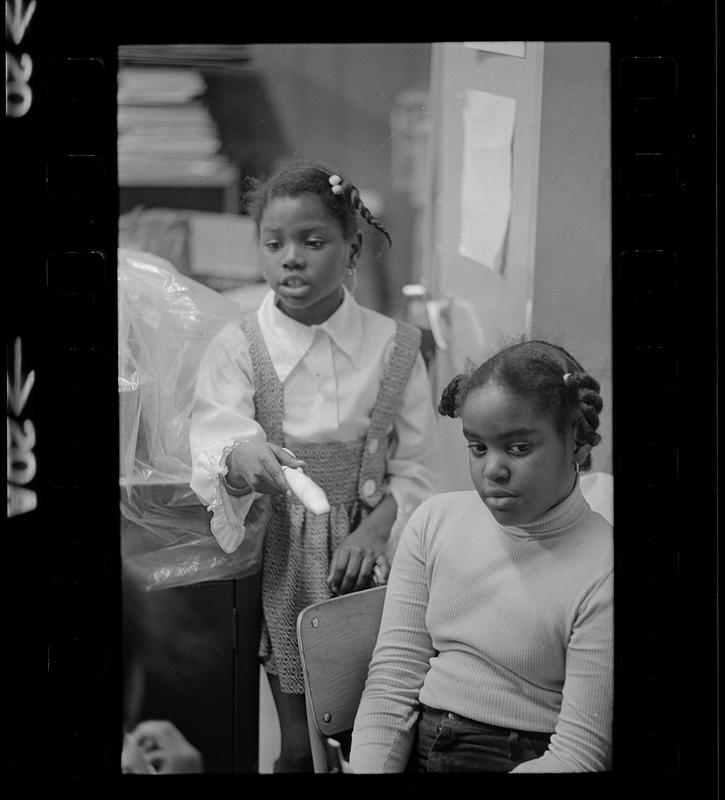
column 336, row 639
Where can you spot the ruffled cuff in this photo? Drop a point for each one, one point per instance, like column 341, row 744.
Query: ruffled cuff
column 228, row 510
column 234, row 491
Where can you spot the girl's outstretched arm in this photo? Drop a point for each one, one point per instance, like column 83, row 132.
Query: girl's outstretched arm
column 222, row 416
column 257, row 466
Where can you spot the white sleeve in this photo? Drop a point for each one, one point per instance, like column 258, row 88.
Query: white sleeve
column 582, row 738
column 385, row 724
column 222, row 415
column 410, row 473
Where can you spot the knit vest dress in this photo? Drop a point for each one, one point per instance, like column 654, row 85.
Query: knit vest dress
column 299, row 545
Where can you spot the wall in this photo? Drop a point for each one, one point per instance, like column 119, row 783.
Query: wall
column 572, row 276
column 498, row 299
column 556, row 281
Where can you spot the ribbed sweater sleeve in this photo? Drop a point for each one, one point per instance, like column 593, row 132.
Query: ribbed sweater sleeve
column 385, row 724
column 582, row 737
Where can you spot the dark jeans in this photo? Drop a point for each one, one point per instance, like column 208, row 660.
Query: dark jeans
column 447, row 742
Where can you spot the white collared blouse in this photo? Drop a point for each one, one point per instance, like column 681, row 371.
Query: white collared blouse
column 330, row 375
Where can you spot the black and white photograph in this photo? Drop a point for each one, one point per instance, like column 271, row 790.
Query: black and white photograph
column 365, row 387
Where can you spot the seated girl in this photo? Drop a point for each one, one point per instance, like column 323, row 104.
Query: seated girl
column 495, row 647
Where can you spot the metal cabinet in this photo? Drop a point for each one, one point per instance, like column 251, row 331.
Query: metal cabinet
column 216, row 704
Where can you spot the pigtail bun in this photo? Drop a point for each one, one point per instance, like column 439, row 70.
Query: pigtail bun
column 449, row 405
column 582, row 380
column 353, row 195
column 590, row 403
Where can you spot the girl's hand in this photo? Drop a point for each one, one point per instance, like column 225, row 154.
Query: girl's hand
column 353, row 563
column 256, row 465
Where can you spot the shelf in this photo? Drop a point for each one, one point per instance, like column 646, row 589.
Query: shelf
column 210, row 181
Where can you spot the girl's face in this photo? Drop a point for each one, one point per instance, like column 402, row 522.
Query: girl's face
column 520, row 464
column 305, row 256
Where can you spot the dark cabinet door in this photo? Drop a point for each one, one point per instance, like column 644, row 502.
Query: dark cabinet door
column 247, row 607
column 212, row 695
column 197, row 692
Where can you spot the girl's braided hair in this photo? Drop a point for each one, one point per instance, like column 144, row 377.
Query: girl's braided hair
column 543, row 373
column 303, row 177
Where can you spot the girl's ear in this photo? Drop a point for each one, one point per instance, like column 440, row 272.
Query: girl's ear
column 355, row 246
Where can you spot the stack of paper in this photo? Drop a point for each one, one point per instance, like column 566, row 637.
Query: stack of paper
column 158, row 86
column 166, row 135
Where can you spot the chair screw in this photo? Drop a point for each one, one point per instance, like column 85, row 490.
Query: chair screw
column 327, row 716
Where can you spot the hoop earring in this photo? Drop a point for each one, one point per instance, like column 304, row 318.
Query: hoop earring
column 577, row 467
column 352, row 273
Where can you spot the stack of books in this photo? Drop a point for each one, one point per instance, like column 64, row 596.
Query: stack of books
column 166, row 136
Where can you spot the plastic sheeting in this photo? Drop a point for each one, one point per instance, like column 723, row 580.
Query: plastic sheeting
column 165, row 322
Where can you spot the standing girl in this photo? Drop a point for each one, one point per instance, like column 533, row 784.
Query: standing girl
column 495, row 647
column 341, row 387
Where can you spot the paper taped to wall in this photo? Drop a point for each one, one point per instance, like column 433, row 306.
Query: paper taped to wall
column 488, row 127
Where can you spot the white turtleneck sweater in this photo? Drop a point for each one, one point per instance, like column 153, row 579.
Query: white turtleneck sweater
column 511, row 626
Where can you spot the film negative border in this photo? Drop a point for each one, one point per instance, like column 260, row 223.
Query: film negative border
column 664, row 304
column 61, row 350
column 61, row 344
